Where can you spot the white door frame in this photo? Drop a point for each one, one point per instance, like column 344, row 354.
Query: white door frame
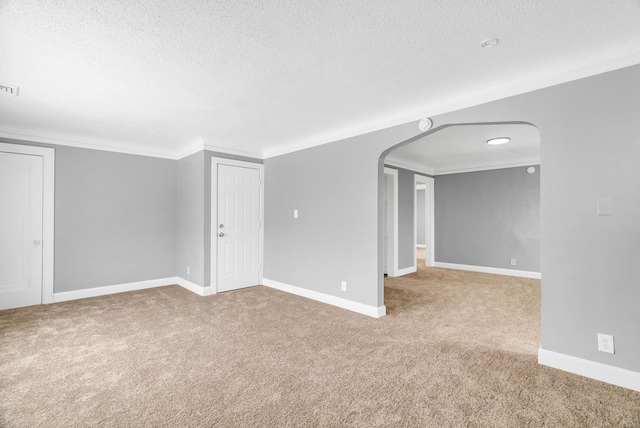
column 48, row 188
column 215, row 161
column 393, row 199
column 429, row 228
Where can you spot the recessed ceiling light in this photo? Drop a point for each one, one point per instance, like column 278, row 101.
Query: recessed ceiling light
column 489, row 43
column 498, row 141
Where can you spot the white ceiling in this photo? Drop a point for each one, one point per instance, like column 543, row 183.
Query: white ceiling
column 264, row 77
column 464, row 148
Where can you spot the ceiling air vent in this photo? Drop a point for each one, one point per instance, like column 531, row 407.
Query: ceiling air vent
column 9, row 90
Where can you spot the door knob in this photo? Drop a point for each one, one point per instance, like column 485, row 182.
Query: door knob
column 221, row 234
column 222, row 226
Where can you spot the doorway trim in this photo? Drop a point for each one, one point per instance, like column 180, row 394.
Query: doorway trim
column 48, row 188
column 429, row 217
column 393, row 175
column 215, row 161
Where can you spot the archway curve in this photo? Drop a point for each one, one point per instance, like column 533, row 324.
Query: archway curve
column 422, row 135
column 381, row 163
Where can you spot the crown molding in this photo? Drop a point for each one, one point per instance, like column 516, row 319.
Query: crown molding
column 119, row 148
column 531, row 162
column 411, row 167
column 247, row 154
column 70, row 143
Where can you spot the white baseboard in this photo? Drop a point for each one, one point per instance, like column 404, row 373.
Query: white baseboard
column 591, row 369
column 131, row 286
column 195, row 288
column 111, row 289
column 372, row 311
column 421, row 246
column 406, row 271
column 484, row 269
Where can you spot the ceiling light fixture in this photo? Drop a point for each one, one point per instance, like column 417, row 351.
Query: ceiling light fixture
column 498, row 141
column 489, row 43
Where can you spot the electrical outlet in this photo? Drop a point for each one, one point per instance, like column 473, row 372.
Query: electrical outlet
column 344, row 286
column 513, row 262
column 295, row 213
column 605, row 343
column 188, row 270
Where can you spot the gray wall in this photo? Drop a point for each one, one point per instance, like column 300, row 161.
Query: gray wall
column 115, row 218
column 486, row 218
column 589, row 263
column 191, row 218
column 337, row 189
column 420, row 217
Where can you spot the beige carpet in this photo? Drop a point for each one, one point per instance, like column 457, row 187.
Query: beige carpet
column 457, row 349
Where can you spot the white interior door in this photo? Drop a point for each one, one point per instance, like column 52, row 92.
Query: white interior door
column 388, row 249
column 21, row 203
column 390, row 222
column 238, row 227
column 385, row 238
column 428, row 183
column 428, row 226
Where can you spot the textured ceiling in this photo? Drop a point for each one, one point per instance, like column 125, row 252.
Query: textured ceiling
column 167, row 77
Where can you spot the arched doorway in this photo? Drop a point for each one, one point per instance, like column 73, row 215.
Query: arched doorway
column 461, row 150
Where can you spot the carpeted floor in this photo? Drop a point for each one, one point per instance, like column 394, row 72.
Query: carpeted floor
column 457, row 349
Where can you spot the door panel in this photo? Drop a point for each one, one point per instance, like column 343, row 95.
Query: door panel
column 239, row 224
column 385, row 220
column 21, row 192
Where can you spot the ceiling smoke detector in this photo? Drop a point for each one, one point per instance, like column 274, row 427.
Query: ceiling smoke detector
column 425, row 124
column 489, row 43
column 9, row 90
